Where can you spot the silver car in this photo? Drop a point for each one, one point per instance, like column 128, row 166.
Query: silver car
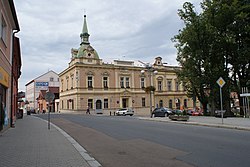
column 125, row 111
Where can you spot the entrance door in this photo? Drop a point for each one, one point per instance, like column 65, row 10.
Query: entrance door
column 124, row 103
column 98, row 104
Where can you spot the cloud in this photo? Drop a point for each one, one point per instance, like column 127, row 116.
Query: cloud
column 118, row 29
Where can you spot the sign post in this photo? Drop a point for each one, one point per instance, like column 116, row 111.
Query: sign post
column 49, row 97
column 221, row 83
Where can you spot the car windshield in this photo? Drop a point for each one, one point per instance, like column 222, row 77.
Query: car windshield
column 122, row 109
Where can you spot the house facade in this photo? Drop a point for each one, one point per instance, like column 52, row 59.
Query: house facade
column 90, row 83
column 10, row 63
column 33, row 88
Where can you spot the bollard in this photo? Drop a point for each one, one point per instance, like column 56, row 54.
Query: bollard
column 110, row 113
column 114, row 113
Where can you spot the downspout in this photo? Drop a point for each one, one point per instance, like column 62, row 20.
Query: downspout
column 12, row 80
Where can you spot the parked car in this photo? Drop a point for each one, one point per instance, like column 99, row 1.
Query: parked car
column 197, row 113
column 161, row 112
column 190, row 112
column 125, row 111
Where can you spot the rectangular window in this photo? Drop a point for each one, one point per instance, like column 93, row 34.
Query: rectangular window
column 159, row 85
column 177, row 86
column 51, row 79
column 122, row 82
column 142, row 82
column 72, row 81
column 90, row 103
column 105, row 82
column 143, row 101
column 106, row 103
column 169, row 85
column 67, row 85
column 127, row 82
column 62, row 86
column 90, row 82
column 3, row 30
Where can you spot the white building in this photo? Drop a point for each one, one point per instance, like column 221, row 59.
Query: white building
column 42, row 82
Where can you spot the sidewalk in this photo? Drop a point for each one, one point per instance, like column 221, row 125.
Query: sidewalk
column 229, row 123
column 31, row 144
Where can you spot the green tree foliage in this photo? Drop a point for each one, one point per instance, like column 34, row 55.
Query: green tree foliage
column 214, row 43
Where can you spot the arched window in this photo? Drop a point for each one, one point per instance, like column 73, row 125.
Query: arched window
column 98, row 104
column 185, row 103
column 170, row 104
column 160, row 103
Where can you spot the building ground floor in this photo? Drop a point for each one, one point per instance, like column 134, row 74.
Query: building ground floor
column 110, row 102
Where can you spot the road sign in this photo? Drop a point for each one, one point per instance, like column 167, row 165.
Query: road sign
column 49, row 97
column 221, row 82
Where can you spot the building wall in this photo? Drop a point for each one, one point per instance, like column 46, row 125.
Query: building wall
column 74, row 91
column 40, row 83
column 8, row 23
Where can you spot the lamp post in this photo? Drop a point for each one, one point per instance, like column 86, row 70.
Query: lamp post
column 151, row 72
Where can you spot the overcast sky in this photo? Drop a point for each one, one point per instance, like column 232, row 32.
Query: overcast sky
column 119, row 29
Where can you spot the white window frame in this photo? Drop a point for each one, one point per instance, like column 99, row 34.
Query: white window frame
column 142, row 82
column 127, row 82
column 3, row 29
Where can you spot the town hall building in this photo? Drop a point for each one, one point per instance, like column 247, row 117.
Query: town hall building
column 88, row 82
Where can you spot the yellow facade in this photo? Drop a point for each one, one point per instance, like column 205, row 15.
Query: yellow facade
column 107, row 94
column 88, row 82
column 4, row 77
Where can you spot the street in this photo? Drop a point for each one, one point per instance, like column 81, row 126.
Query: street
column 128, row 141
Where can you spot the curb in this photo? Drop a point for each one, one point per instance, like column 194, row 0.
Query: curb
column 198, row 123
column 90, row 160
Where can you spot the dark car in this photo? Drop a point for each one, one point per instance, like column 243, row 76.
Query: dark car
column 161, row 112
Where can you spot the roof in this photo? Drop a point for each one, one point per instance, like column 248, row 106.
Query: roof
column 40, row 76
column 85, row 27
column 54, row 89
column 13, row 11
column 42, row 94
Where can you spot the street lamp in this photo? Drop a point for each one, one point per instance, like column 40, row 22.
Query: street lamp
column 151, row 72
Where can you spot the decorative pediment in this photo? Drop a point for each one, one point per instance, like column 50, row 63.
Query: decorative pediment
column 105, row 73
column 160, row 78
column 126, row 93
column 90, row 73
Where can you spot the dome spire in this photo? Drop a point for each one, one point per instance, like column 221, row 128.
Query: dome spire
column 84, row 35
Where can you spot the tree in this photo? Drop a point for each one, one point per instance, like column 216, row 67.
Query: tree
column 212, row 45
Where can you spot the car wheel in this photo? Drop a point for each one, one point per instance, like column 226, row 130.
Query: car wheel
column 131, row 114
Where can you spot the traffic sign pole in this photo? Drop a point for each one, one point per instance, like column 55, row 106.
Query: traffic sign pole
column 49, row 97
column 221, row 107
column 221, row 83
column 49, row 118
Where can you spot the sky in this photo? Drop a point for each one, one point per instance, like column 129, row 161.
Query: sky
column 119, row 30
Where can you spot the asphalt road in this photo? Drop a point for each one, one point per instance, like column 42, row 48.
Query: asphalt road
column 127, row 141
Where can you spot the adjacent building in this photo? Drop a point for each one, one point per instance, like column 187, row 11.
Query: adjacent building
column 43, row 105
column 33, row 88
column 10, row 64
column 104, row 87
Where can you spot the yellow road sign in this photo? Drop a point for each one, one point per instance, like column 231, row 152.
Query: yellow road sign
column 221, row 82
